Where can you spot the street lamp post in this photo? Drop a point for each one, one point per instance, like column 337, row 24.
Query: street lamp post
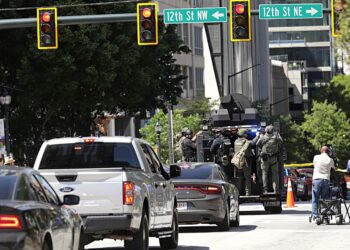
column 158, row 131
column 5, row 100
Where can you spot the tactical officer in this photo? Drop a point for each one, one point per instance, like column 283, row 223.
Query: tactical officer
column 179, row 145
column 246, row 169
column 216, row 146
column 270, row 144
column 189, row 147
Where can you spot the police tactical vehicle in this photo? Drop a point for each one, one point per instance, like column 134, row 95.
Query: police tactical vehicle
column 236, row 112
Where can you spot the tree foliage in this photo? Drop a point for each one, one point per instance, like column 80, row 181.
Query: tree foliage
column 344, row 40
column 337, row 91
column 97, row 67
column 327, row 124
column 179, row 122
column 298, row 149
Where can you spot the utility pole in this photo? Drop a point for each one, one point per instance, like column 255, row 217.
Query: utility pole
column 170, row 133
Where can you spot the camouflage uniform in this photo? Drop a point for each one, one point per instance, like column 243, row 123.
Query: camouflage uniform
column 269, row 160
column 247, row 168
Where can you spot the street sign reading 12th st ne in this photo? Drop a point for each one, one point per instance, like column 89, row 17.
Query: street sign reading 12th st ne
column 290, row 11
column 195, row 15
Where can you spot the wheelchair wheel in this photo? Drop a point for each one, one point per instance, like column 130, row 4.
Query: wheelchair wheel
column 318, row 221
column 339, row 219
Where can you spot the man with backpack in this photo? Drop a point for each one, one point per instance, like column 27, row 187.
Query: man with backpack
column 241, row 160
column 270, row 144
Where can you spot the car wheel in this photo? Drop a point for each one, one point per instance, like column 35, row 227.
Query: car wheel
column 339, row 220
column 46, row 245
column 141, row 238
column 81, row 240
column 225, row 224
column 235, row 223
column 171, row 242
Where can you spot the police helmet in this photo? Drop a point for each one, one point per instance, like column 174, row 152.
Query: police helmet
column 188, row 132
column 184, row 130
column 269, row 129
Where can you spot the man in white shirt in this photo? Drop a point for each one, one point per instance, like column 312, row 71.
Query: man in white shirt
column 321, row 176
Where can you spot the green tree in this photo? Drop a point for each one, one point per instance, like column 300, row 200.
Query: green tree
column 327, row 124
column 97, row 67
column 298, row 149
column 344, row 39
column 179, row 122
column 337, row 91
column 200, row 105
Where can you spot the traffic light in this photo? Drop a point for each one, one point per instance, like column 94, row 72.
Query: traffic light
column 47, row 28
column 147, row 23
column 240, row 21
column 337, row 6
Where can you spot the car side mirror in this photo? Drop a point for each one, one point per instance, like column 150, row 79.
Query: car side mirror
column 175, row 171
column 71, row 199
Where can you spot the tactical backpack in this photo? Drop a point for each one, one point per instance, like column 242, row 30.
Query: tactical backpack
column 239, row 158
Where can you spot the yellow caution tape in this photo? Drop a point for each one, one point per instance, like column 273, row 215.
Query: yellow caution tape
column 299, row 165
column 303, row 165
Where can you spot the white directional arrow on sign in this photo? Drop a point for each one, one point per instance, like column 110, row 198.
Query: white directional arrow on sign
column 217, row 15
column 312, row 11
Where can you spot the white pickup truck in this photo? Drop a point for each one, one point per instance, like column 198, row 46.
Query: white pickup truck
column 124, row 191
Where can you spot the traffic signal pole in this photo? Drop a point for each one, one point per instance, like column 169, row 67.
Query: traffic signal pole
column 17, row 23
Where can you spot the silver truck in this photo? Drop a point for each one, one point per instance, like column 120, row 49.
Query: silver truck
column 125, row 193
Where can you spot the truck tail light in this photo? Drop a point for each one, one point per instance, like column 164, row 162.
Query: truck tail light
column 10, row 222
column 128, row 193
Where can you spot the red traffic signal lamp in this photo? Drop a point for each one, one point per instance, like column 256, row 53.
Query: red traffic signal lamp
column 47, row 28
column 240, row 21
column 337, row 6
column 147, row 23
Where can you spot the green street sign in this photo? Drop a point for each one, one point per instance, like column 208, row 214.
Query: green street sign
column 195, row 15
column 290, row 11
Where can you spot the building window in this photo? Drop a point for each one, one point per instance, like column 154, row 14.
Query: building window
column 190, row 77
column 198, row 3
column 198, row 42
column 179, row 30
column 186, row 35
column 185, row 73
column 199, row 81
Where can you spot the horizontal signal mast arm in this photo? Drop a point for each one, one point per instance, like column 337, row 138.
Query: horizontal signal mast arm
column 87, row 19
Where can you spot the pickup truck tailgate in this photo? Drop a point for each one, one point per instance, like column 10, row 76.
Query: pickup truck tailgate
column 100, row 191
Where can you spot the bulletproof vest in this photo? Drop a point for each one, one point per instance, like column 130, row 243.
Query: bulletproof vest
column 225, row 146
column 270, row 146
column 187, row 149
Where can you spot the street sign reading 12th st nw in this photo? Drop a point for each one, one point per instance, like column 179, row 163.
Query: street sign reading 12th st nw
column 195, row 15
column 290, row 11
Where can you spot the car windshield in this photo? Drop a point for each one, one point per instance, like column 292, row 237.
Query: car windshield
column 7, row 186
column 196, row 172
column 89, row 155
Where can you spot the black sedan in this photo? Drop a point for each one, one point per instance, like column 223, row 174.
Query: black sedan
column 205, row 195
column 32, row 216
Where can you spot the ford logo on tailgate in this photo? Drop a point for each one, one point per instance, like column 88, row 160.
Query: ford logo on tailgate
column 66, row 189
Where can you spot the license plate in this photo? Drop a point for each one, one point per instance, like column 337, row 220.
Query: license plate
column 272, row 203
column 182, row 206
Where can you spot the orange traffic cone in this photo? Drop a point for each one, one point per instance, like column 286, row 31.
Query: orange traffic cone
column 290, row 196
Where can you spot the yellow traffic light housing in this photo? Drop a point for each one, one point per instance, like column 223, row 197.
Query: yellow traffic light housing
column 240, row 21
column 147, row 24
column 337, row 6
column 47, row 28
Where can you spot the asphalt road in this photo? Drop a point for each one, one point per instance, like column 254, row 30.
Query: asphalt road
column 259, row 230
